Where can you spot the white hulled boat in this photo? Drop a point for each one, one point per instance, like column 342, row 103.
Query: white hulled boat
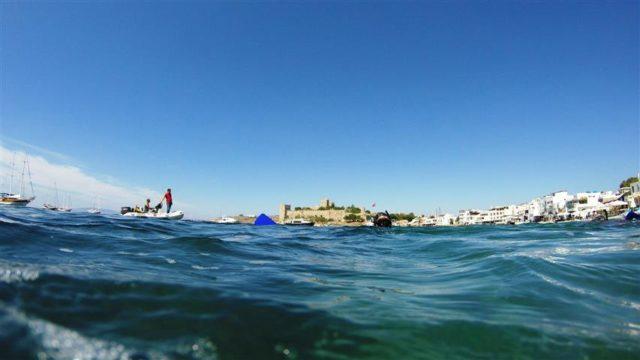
column 225, row 220
column 95, row 209
column 66, row 206
column 136, row 212
column 299, row 222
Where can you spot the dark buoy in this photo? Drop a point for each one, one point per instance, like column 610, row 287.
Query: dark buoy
column 382, row 219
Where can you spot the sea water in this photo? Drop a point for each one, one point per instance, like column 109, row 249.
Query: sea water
column 82, row 286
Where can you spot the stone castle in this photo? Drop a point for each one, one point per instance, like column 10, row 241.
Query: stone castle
column 327, row 212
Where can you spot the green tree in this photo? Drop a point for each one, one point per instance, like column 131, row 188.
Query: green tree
column 353, row 209
column 629, row 181
column 353, row 218
column 319, row 219
column 402, row 216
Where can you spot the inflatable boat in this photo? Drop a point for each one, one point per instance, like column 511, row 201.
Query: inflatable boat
column 174, row 215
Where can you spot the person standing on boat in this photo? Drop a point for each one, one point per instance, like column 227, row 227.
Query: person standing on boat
column 169, row 199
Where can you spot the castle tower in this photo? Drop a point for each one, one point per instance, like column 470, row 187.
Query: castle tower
column 284, row 209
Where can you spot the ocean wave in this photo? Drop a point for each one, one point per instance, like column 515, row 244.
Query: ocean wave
column 113, row 287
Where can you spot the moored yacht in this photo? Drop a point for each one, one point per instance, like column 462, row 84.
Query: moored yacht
column 95, row 209
column 11, row 199
column 15, row 199
column 225, row 220
column 299, row 222
column 66, row 207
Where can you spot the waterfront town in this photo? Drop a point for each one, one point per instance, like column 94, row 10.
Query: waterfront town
column 558, row 206
column 555, row 207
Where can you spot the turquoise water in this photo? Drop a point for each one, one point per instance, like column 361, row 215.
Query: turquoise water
column 107, row 287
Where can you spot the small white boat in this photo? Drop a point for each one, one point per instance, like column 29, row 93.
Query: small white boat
column 95, row 208
column 225, row 220
column 55, row 208
column 174, row 215
column 50, row 207
column 66, row 205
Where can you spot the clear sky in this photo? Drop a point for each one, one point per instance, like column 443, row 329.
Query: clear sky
column 242, row 106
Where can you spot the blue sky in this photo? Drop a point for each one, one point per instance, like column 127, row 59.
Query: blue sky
column 241, row 106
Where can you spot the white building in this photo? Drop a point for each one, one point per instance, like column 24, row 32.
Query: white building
column 501, row 214
column 523, row 212
column 537, row 208
column 559, row 202
column 633, row 197
column 444, row 220
column 471, row 217
column 586, row 200
column 428, row 221
column 586, row 203
column 434, row 220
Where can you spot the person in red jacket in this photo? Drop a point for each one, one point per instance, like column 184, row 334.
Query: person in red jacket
column 169, row 199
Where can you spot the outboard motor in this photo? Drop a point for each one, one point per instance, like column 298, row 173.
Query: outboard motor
column 125, row 209
column 382, row 220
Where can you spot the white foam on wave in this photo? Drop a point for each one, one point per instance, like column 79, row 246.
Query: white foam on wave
column 65, row 250
column 237, row 238
column 558, row 283
column 538, row 254
column 198, row 267
column 561, row 251
column 61, row 343
column 9, row 275
column 130, row 253
column 7, row 220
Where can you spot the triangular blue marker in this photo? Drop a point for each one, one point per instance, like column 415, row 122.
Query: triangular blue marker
column 264, row 220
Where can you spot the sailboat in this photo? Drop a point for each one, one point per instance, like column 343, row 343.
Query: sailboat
column 18, row 199
column 66, row 206
column 95, row 209
column 55, row 206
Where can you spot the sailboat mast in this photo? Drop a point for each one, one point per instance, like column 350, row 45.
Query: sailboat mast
column 13, row 165
column 33, row 193
column 56, row 187
column 24, row 166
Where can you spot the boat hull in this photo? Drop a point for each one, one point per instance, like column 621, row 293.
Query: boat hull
column 15, row 202
column 300, row 224
column 225, row 221
column 176, row 215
